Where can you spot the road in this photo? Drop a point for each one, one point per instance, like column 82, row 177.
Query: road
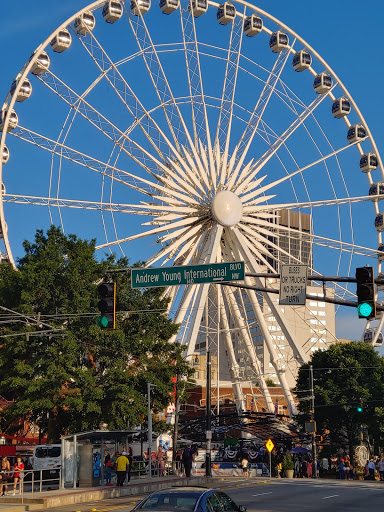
column 277, row 496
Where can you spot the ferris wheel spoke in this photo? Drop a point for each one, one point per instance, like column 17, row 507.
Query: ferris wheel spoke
column 159, row 80
column 95, row 118
column 73, row 203
column 265, row 188
column 244, row 178
column 195, row 82
column 184, row 224
column 312, row 204
column 113, row 173
column 224, row 124
column 125, row 93
column 250, row 130
column 83, row 160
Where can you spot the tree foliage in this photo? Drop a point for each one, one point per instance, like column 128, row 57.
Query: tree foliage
column 75, row 376
column 344, row 375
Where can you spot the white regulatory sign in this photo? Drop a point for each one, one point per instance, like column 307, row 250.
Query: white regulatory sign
column 293, row 285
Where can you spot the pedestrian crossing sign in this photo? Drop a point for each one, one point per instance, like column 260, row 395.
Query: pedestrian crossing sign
column 269, row 445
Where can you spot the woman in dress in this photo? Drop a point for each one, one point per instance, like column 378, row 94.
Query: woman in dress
column 18, row 474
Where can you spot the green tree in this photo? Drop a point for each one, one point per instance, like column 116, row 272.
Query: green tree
column 343, row 375
column 77, row 376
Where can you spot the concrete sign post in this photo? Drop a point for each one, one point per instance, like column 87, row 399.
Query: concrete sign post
column 293, row 285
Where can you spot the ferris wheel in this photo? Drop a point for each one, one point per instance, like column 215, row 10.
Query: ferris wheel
column 214, row 133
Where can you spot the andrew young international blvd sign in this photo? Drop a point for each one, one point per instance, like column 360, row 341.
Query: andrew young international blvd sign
column 189, row 274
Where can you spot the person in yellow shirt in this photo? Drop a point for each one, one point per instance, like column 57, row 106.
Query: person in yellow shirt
column 122, row 465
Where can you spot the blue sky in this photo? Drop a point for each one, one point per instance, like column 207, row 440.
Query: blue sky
column 346, row 34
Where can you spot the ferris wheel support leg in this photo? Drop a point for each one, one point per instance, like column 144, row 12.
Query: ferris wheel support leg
column 237, row 319
column 285, row 327
column 264, row 329
column 231, row 359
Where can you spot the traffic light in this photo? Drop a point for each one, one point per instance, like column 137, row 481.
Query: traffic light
column 107, row 305
column 365, row 291
column 360, row 406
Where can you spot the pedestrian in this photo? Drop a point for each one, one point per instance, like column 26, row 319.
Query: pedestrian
column 347, row 467
column 5, row 468
column 341, row 469
column 130, row 459
column 244, row 465
column 18, row 474
column 309, row 469
column 380, row 467
column 304, row 469
column 297, row 468
column 122, row 464
column 108, row 468
column 187, row 458
column 371, row 470
column 160, row 461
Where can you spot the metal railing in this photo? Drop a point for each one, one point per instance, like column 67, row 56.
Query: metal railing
column 35, row 481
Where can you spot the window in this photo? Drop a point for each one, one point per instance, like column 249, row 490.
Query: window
column 214, row 504
column 228, row 504
column 196, row 375
column 321, row 313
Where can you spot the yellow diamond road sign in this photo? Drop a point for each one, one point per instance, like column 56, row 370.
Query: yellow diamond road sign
column 269, row 445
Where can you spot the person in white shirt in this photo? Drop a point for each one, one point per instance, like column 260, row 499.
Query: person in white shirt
column 380, row 467
column 371, row 469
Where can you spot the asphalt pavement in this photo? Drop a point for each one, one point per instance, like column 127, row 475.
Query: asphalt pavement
column 275, row 495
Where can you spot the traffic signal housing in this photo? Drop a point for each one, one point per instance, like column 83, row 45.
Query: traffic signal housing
column 365, row 291
column 107, row 305
column 360, row 406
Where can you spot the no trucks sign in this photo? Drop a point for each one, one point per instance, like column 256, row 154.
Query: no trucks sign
column 293, row 285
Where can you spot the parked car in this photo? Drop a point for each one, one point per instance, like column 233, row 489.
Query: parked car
column 189, row 499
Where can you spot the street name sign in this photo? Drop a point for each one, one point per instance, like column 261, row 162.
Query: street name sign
column 293, row 285
column 188, row 274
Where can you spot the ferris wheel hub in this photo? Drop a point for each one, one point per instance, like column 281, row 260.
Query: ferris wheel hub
column 227, row 208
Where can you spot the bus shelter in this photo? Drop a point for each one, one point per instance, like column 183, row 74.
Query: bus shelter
column 83, row 455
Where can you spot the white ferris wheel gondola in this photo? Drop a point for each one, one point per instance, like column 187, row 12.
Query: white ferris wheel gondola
column 253, row 25
column 61, row 41
column 5, row 155
column 13, row 119
column 198, row 7
column 302, row 60
column 356, row 133
column 368, row 162
column 322, row 83
column 279, row 41
column 41, row 64
column 341, row 107
column 169, row 6
column 112, row 11
column 24, row 90
column 140, row 7
column 226, row 13
column 84, row 23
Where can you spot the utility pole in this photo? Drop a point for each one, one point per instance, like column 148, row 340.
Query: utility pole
column 312, row 412
column 149, row 431
column 208, row 431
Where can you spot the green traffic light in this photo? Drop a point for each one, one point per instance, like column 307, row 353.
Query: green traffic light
column 364, row 309
column 102, row 321
column 359, row 409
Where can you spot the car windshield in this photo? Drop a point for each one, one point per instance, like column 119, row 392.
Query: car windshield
column 173, row 501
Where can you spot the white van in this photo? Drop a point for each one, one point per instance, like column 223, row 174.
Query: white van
column 47, row 457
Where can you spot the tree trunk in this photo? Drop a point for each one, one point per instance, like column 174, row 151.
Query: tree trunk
column 52, row 433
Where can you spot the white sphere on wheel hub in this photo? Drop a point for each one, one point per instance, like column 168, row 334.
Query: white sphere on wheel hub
column 227, row 208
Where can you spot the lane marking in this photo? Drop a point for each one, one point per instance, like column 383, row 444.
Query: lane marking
column 262, row 493
column 327, row 497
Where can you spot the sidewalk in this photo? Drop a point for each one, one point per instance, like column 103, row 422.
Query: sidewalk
column 62, row 497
